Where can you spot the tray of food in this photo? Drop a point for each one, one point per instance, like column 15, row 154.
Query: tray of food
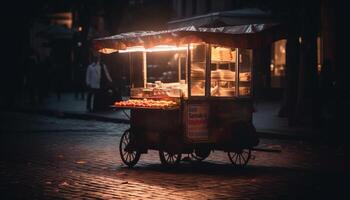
column 147, row 104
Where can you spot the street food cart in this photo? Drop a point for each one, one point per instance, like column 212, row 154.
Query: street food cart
column 191, row 93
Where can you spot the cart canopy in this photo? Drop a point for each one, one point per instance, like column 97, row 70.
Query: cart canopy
column 242, row 36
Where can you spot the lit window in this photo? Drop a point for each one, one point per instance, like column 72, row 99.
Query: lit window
column 278, row 63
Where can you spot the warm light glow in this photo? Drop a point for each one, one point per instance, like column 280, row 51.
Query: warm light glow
column 153, row 49
column 107, row 50
column 63, row 18
column 319, row 68
column 80, row 28
column 133, row 49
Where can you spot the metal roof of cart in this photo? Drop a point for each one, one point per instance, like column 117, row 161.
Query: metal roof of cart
column 243, row 36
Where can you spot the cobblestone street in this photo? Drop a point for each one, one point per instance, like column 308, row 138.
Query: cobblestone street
column 55, row 158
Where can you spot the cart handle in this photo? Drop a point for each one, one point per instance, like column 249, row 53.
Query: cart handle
column 126, row 114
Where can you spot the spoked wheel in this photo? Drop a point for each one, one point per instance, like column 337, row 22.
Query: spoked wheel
column 240, row 158
column 200, row 154
column 129, row 157
column 169, row 159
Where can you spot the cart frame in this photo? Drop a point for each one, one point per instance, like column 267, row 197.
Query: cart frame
column 229, row 124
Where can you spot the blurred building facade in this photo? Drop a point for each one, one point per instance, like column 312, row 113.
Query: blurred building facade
column 61, row 31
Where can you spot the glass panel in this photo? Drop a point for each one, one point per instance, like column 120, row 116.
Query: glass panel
column 164, row 66
column 198, row 63
column 223, row 67
column 245, row 71
column 165, row 74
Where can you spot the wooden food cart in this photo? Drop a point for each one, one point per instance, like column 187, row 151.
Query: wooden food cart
column 191, row 93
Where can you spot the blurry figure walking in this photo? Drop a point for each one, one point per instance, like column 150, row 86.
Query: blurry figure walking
column 93, row 80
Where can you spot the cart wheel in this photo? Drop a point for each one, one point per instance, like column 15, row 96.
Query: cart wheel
column 240, row 158
column 129, row 157
column 169, row 159
column 200, row 155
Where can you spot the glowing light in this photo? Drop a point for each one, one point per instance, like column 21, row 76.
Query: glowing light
column 133, row 49
column 282, row 49
column 107, row 50
column 80, row 28
column 153, row 49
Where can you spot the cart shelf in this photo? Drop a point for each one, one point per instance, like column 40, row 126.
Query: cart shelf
column 146, row 108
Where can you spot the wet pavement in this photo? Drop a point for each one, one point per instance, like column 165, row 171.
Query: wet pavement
column 55, row 158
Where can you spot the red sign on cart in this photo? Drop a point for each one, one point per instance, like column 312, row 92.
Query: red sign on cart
column 197, row 126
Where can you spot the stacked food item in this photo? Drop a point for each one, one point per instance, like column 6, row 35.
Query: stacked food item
column 244, row 91
column 147, row 103
column 244, row 76
column 223, row 54
column 223, row 74
column 198, row 71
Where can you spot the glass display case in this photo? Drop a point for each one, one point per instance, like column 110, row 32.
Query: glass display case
column 223, row 71
column 198, row 69
column 195, row 70
column 228, row 65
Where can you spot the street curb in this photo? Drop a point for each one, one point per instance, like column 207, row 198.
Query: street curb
column 89, row 116
column 274, row 135
column 73, row 115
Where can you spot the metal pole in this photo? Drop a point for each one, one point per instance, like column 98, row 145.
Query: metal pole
column 144, row 68
column 238, row 59
column 207, row 70
column 131, row 71
column 188, row 75
column 179, row 68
